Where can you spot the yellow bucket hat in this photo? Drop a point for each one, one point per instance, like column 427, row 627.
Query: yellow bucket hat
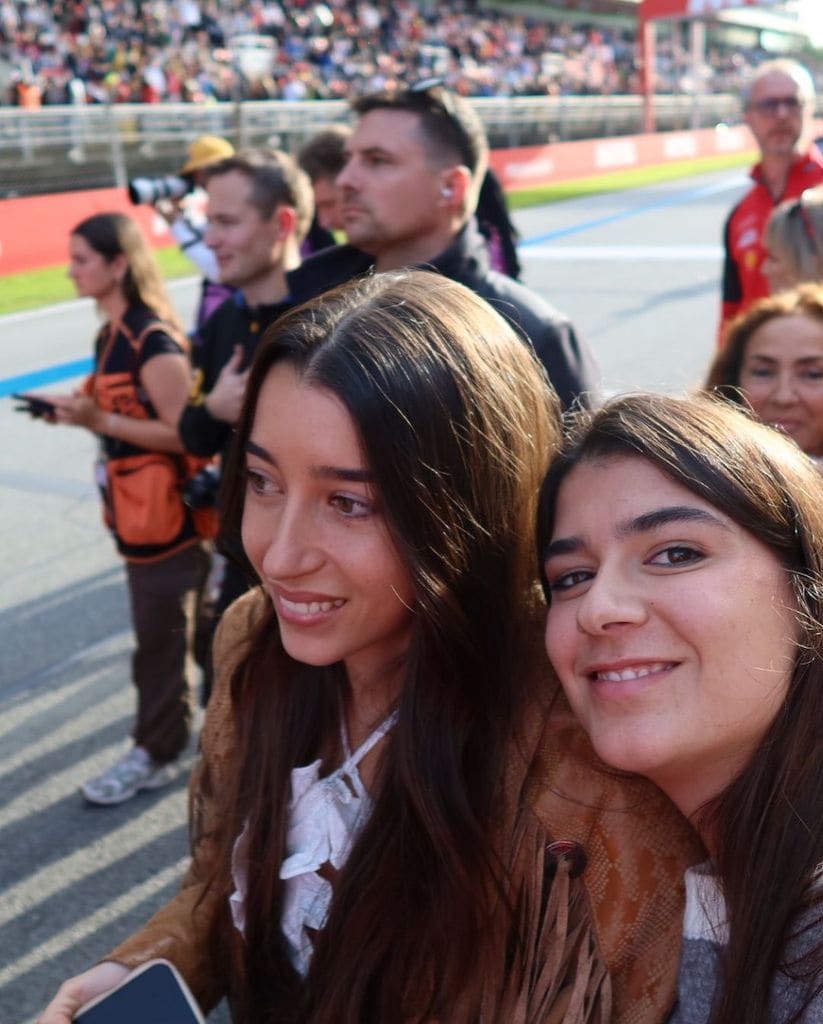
column 208, row 149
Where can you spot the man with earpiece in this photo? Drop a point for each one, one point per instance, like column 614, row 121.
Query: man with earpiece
column 409, row 189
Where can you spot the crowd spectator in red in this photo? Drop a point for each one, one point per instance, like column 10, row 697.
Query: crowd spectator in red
column 778, row 105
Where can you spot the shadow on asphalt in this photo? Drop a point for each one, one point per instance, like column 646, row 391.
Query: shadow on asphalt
column 75, row 880
column 65, row 622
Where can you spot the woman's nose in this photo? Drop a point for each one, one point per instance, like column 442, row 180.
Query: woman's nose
column 611, row 601
column 293, row 548
column 784, row 390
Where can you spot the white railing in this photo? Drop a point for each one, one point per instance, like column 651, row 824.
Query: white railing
column 61, row 148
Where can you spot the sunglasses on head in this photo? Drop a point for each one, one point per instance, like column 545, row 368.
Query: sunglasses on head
column 431, row 94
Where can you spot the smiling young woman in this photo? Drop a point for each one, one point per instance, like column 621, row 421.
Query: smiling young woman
column 392, row 821
column 682, row 558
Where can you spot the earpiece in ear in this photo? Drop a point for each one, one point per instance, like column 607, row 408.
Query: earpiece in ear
column 446, row 192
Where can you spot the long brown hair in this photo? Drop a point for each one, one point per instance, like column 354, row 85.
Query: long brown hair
column 115, row 234
column 768, row 824
column 457, row 426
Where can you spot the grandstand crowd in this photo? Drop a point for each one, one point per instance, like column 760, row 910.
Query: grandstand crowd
column 128, row 51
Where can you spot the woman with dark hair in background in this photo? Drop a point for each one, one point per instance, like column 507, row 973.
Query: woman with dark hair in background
column 497, row 227
column 773, row 361
column 380, row 825
column 684, row 562
column 132, row 402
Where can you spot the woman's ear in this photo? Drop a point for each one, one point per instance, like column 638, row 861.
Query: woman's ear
column 120, row 267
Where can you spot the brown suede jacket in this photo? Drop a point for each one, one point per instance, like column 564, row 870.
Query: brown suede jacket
column 602, row 929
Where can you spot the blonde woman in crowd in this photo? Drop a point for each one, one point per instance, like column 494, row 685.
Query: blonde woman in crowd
column 794, row 242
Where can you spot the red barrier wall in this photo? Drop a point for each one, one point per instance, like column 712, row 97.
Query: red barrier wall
column 532, row 166
column 34, row 230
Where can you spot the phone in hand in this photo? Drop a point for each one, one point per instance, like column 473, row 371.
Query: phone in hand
column 34, row 405
column 154, row 993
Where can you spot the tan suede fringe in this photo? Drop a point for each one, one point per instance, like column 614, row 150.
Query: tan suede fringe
column 557, row 976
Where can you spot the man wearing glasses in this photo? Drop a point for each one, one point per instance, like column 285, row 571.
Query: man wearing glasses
column 409, row 190
column 779, row 106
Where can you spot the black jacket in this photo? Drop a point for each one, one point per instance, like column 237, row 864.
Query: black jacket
column 233, row 323
column 568, row 361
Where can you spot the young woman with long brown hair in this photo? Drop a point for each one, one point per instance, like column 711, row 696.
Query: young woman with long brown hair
column 683, row 549
column 132, row 402
column 389, row 825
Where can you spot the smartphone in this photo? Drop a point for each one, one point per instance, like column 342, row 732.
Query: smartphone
column 34, row 405
column 152, row 994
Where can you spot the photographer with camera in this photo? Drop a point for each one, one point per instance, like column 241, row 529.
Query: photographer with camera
column 181, row 200
column 259, row 206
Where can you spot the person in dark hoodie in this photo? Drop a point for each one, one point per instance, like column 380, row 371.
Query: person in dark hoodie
column 415, row 163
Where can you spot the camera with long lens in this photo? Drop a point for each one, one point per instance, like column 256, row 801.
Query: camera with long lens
column 148, row 191
column 200, row 491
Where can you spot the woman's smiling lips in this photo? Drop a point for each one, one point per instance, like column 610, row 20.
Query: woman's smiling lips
column 787, row 426
column 304, row 607
column 626, row 677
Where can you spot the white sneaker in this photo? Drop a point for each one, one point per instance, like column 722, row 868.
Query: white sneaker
column 133, row 772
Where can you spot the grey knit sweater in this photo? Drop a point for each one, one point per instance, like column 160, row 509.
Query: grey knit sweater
column 705, row 932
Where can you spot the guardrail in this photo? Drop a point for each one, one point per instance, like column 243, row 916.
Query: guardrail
column 63, row 148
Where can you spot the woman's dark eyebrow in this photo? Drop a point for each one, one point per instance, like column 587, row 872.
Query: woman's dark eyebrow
column 261, row 453
column 669, row 514
column 563, row 546
column 354, row 476
column 640, row 524
column 814, row 358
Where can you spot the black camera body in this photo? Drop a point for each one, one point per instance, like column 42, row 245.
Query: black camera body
column 148, row 191
column 200, row 491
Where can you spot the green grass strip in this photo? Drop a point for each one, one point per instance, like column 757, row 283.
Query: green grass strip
column 42, row 287
column 35, row 288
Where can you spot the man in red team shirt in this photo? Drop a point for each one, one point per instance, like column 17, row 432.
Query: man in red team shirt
column 779, row 105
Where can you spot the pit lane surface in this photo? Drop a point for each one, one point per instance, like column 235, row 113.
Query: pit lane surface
column 638, row 273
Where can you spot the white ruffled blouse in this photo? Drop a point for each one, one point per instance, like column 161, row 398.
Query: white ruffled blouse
column 325, row 817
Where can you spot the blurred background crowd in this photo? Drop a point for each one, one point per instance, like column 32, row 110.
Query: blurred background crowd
column 205, row 51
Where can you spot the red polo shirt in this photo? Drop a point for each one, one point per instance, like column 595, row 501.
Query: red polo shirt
column 743, row 278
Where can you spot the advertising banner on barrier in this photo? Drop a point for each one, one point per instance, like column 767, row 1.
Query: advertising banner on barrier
column 535, row 166
column 652, row 9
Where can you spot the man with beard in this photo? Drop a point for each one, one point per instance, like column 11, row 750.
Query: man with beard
column 415, row 162
column 779, row 106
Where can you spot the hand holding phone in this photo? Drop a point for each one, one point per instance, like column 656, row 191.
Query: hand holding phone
column 35, row 406
column 154, row 992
